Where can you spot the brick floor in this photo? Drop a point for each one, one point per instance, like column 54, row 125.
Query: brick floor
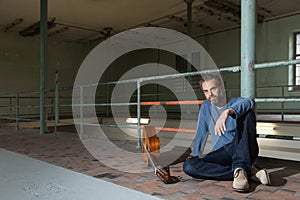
column 65, row 149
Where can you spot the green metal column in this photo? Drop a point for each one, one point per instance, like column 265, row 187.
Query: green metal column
column 248, row 22
column 189, row 16
column 43, row 60
column 56, row 101
column 139, row 135
column 17, row 111
column 189, row 52
column 189, row 29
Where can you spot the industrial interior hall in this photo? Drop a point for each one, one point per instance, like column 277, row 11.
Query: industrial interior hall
column 106, row 99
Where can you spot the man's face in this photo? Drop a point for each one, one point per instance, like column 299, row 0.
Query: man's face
column 214, row 92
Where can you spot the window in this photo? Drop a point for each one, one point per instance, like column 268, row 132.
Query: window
column 181, row 64
column 297, row 56
column 182, row 67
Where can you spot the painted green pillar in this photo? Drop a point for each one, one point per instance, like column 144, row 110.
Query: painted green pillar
column 189, row 52
column 248, row 23
column 189, row 17
column 43, row 61
column 189, row 28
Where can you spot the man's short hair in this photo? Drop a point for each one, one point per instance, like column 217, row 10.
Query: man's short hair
column 207, row 77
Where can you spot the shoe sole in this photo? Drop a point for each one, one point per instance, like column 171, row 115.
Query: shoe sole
column 268, row 177
column 241, row 190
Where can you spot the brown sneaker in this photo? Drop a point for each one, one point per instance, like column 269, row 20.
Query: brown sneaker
column 260, row 176
column 240, row 181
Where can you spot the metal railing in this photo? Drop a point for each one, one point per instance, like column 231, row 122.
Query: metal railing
column 55, row 105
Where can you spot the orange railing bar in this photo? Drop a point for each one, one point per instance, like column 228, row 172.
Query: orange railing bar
column 175, row 130
column 187, row 102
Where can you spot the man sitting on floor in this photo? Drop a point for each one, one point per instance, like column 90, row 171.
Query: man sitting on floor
column 232, row 125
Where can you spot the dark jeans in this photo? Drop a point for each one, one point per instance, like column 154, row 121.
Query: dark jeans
column 220, row 164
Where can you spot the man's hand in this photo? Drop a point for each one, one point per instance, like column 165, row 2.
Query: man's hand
column 220, row 126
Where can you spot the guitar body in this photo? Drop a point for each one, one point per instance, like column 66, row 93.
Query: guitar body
column 150, row 143
column 151, row 148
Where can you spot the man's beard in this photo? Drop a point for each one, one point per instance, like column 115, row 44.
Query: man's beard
column 218, row 100
column 215, row 101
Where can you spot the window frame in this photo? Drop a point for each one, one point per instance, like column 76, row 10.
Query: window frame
column 296, row 55
column 292, row 84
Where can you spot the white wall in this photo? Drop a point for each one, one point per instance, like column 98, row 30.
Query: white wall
column 20, row 62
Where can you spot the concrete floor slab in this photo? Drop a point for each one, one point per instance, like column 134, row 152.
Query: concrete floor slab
column 65, row 149
column 25, row 178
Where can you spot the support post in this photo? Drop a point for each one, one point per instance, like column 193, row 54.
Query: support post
column 189, row 16
column 81, row 112
column 56, row 101
column 138, row 85
column 10, row 109
column 189, row 52
column 189, row 30
column 248, row 22
column 17, row 111
column 282, row 104
column 43, row 60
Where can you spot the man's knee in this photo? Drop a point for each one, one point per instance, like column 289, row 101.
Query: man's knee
column 247, row 123
column 186, row 166
column 250, row 118
column 189, row 165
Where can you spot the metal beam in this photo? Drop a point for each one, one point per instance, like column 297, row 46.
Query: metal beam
column 43, row 60
column 189, row 16
column 248, row 22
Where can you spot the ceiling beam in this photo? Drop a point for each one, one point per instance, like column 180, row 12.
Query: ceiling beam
column 13, row 24
column 227, row 7
column 34, row 29
column 224, row 6
column 61, row 30
column 211, row 12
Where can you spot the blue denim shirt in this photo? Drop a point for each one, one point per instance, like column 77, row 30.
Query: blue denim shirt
column 208, row 116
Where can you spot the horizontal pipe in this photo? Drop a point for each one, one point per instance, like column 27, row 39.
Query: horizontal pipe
column 225, row 69
column 19, row 118
column 146, row 103
column 97, row 124
column 192, row 102
column 22, row 119
column 151, row 103
column 187, row 102
column 175, row 130
column 266, row 100
column 135, row 127
column 277, row 64
column 101, row 104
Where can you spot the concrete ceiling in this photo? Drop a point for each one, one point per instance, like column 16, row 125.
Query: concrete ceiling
column 89, row 21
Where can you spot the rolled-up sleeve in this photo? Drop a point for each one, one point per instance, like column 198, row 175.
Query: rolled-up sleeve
column 241, row 106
